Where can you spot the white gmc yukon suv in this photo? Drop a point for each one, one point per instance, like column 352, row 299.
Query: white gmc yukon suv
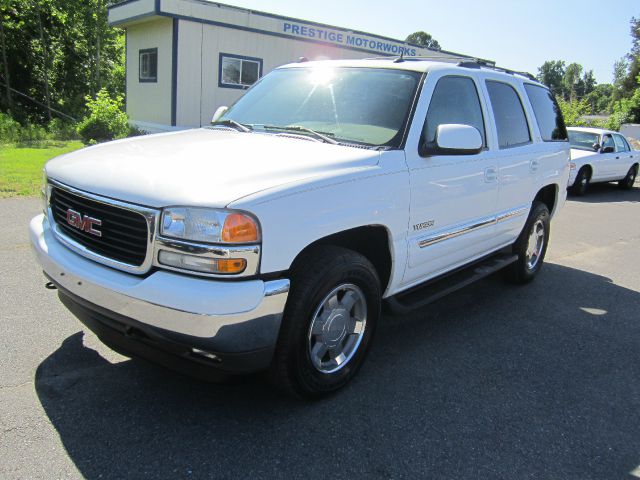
column 270, row 240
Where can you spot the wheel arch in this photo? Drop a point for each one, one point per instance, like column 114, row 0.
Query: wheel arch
column 372, row 241
column 588, row 168
column 549, row 196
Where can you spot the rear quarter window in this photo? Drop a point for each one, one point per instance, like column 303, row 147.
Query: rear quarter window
column 547, row 113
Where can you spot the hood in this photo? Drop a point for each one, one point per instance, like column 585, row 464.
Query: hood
column 578, row 153
column 206, row 167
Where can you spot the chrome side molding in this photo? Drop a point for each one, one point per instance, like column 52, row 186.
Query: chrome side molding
column 469, row 227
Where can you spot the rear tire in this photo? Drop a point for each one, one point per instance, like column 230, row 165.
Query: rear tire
column 531, row 246
column 579, row 187
column 627, row 182
column 329, row 322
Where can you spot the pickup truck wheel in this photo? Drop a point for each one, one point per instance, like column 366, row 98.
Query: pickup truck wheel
column 581, row 183
column 329, row 321
column 531, row 246
column 627, row 182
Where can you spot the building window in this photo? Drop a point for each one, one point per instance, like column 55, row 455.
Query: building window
column 148, row 65
column 236, row 71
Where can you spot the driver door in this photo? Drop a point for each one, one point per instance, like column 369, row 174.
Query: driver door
column 605, row 167
column 453, row 197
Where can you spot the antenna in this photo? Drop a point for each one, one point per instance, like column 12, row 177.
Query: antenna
column 400, row 58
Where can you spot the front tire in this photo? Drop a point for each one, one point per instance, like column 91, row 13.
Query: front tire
column 329, row 322
column 531, row 246
column 627, row 182
column 580, row 185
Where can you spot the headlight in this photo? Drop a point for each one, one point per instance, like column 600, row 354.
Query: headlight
column 208, row 225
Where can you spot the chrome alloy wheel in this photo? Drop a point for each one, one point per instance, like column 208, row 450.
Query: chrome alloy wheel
column 535, row 245
column 337, row 328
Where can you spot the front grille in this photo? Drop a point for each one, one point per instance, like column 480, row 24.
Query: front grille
column 124, row 232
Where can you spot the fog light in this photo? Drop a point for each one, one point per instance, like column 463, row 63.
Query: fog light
column 226, row 266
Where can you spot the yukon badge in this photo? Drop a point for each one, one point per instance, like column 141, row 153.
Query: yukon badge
column 423, row 225
column 84, row 222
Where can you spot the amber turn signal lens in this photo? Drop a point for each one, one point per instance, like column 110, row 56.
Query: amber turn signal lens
column 239, row 228
column 234, row 265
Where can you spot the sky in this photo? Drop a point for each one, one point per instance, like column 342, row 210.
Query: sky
column 520, row 35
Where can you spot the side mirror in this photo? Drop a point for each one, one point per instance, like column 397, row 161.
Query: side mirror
column 596, row 147
column 607, row 150
column 219, row 113
column 454, row 139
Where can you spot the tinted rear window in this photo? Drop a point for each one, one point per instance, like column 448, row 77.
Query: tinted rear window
column 511, row 122
column 547, row 112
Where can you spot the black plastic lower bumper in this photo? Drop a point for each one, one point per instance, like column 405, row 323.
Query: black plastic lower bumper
column 175, row 351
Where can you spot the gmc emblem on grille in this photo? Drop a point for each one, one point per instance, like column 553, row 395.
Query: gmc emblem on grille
column 84, row 222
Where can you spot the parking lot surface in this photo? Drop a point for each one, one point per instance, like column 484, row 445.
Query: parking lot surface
column 494, row 381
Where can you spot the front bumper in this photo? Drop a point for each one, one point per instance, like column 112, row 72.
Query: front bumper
column 234, row 322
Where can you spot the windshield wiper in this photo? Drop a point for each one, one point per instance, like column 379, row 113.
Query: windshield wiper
column 299, row 128
column 227, row 122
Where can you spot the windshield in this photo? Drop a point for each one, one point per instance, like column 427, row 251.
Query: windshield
column 349, row 105
column 583, row 140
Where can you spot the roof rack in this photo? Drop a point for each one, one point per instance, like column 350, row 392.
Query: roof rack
column 442, row 57
column 460, row 60
column 482, row 64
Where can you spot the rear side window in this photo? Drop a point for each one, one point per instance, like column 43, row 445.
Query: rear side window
column 511, row 122
column 547, row 112
column 454, row 100
column 621, row 143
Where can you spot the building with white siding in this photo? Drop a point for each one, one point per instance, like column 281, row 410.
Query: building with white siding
column 185, row 58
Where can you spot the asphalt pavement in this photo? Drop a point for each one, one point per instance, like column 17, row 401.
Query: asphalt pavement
column 492, row 382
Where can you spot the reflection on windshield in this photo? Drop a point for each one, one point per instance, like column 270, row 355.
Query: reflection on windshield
column 354, row 105
column 582, row 140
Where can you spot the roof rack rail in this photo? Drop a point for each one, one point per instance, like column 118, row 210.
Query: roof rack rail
column 442, row 57
column 482, row 64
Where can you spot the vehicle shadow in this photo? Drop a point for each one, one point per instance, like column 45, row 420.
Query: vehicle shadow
column 490, row 382
column 608, row 193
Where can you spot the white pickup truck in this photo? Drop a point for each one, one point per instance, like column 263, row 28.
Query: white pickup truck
column 270, row 240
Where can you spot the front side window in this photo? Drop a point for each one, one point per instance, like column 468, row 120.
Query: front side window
column 511, row 121
column 239, row 72
column 148, row 59
column 607, row 141
column 583, row 140
column 621, row 143
column 368, row 106
column 454, row 100
column 547, row 112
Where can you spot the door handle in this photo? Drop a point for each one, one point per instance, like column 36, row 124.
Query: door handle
column 490, row 174
column 617, row 158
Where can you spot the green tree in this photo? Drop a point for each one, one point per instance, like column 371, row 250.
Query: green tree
column 573, row 111
column 599, row 99
column 423, row 39
column 60, row 49
column 551, row 74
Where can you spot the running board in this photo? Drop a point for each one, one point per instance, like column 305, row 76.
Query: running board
column 433, row 290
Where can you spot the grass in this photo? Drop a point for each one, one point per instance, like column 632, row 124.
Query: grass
column 21, row 166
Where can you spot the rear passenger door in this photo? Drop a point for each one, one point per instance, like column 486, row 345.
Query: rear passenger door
column 624, row 157
column 453, row 197
column 517, row 159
